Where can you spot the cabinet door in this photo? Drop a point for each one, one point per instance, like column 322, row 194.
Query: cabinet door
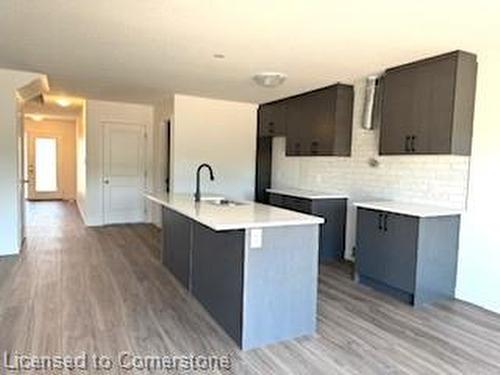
column 321, row 107
column 432, row 102
column 310, row 124
column 370, row 252
column 298, row 121
column 386, row 248
column 272, row 120
column 263, row 166
column 177, row 245
column 319, row 123
column 399, row 111
column 332, row 232
column 218, row 275
column 399, row 246
column 432, row 132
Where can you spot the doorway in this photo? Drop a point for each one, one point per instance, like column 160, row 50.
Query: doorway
column 50, row 154
column 44, row 167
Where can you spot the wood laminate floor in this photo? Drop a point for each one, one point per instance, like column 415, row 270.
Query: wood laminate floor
column 102, row 291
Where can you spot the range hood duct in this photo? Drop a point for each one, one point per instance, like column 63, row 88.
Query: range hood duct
column 371, row 104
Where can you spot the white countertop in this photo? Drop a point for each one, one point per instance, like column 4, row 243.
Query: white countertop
column 410, row 209
column 308, row 194
column 248, row 215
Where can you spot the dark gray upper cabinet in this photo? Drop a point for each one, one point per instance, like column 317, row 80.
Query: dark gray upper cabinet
column 271, row 120
column 428, row 106
column 319, row 123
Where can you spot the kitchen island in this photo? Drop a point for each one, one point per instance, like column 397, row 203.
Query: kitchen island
column 253, row 267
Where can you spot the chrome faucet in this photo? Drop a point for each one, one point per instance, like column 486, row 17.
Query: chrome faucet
column 197, row 194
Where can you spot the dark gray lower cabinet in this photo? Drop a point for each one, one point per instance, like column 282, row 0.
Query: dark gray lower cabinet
column 411, row 258
column 332, row 232
column 220, row 280
column 177, row 245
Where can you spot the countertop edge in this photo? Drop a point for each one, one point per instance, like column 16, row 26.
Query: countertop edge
column 311, row 220
column 437, row 213
column 305, row 194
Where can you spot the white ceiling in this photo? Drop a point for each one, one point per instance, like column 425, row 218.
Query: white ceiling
column 141, row 50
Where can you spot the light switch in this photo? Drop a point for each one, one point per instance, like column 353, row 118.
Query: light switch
column 255, row 238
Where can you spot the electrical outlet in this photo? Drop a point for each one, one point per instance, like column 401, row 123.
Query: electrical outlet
column 255, row 238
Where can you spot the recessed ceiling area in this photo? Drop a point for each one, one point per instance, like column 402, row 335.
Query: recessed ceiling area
column 140, row 51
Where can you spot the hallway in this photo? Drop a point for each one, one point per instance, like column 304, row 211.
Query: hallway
column 102, row 290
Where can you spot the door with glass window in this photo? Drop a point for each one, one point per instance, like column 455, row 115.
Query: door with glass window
column 44, row 167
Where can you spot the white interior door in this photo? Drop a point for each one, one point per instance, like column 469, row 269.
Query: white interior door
column 124, row 175
column 44, row 167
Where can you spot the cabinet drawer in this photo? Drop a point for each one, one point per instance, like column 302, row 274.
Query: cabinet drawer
column 297, row 204
column 290, row 203
column 276, row 200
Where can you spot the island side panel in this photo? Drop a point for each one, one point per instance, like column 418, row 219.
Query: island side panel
column 280, row 285
column 176, row 245
column 217, row 275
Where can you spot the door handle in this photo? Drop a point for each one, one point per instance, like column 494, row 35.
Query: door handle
column 412, row 144
column 106, row 181
column 385, row 222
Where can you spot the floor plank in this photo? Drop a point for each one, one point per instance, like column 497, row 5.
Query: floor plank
column 103, row 290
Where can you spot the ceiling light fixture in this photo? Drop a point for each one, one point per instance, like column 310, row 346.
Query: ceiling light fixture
column 219, row 56
column 63, row 102
column 269, row 79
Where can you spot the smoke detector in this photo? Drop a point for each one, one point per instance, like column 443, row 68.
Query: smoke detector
column 269, row 79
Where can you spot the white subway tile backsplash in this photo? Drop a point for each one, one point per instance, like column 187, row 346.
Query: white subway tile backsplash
column 429, row 179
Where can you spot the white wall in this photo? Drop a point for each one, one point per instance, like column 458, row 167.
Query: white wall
column 438, row 180
column 99, row 113
column 10, row 128
column 218, row 132
column 479, row 256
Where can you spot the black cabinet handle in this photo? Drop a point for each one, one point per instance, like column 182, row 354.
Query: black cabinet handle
column 297, row 146
column 380, row 217
column 407, row 143
column 412, row 145
column 385, row 222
